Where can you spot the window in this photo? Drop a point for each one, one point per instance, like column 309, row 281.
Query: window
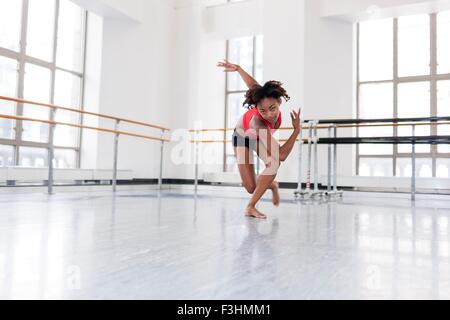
column 413, row 45
column 443, row 43
column 8, row 87
column 404, row 72
column 6, row 156
column 37, row 88
column 41, row 59
column 248, row 53
column 70, row 36
column 376, row 52
column 41, row 29
column 443, row 109
column 10, row 24
column 33, row 157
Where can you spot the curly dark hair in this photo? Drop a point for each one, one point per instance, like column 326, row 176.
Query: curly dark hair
column 272, row 89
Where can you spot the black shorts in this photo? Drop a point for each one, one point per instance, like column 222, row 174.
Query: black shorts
column 240, row 141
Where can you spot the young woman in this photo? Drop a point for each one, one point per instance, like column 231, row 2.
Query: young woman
column 254, row 132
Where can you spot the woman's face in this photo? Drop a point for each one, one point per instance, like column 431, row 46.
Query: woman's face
column 269, row 108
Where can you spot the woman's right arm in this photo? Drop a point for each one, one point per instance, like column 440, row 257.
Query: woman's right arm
column 248, row 79
column 229, row 67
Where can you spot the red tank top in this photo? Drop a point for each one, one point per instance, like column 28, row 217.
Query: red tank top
column 248, row 116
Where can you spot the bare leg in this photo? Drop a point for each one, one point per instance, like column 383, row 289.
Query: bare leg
column 275, row 193
column 246, row 168
column 265, row 181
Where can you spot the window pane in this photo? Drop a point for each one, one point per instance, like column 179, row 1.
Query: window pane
column 259, row 59
column 443, row 42
column 70, row 36
column 67, row 93
column 443, row 97
column 376, row 149
column 41, row 28
column 10, row 24
column 8, row 77
column 241, row 53
column 235, row 108
column 443, row 168
column 6, row 156
column 65, row 159
column 375, row 167
column 423, row 168
column 443, row 110
column 36, row 88
column 376, row 53
column 376, row 101
column 414, row 102
column 33, row 157
column 231, row 164
column 414, row 45
column 7, row 127
column 235, row 111
column 8, row 87
column 66, row 136
column 67, row 90
column 444, row 130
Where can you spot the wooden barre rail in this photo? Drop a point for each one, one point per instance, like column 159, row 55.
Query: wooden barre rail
column 323, row 126
column 52, row 106
column 18, row 118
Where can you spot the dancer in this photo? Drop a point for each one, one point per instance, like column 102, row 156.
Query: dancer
column 254, row 132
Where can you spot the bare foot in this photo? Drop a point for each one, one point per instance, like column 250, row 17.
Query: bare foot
column 275, row 193
column 254, row 213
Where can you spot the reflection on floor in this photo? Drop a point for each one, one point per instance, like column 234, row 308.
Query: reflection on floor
column 146, row 245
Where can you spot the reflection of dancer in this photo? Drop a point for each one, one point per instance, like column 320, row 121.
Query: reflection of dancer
column 255, row 256
column 254, row 131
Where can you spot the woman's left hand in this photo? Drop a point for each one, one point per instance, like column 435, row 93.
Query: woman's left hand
column 295, row 117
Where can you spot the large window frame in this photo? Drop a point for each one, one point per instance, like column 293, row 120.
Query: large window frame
column 432, row 78
column 22, row 58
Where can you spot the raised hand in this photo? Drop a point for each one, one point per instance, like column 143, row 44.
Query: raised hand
column 295, row 117
column 228, row 67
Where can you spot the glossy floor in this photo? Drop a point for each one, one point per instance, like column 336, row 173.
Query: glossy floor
column 145, row 245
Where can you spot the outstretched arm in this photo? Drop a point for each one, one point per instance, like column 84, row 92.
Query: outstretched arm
column 282, row 152
column 229, row 67
column 286, row 148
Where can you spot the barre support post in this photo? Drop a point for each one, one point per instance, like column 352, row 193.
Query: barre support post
column 329, row 163
column 316, row 159
column 300, row 158
column 116, row 155
column 161, row 159
column 413, row 165
column 51, row 153
column 335, row 160
column 196, row 163
column 308, row 175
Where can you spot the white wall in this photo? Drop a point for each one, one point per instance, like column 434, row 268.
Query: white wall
column 329, row 78
column 119, row 9
column 135, row 83
column 198, row 97
column 235, row 19
column 284, row 60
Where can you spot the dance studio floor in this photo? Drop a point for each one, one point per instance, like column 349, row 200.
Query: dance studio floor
column 144, row 245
